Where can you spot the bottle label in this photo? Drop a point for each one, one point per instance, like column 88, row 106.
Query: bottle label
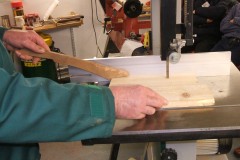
column 30, row 64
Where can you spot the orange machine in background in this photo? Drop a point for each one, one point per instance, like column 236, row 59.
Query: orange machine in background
column 124, row 19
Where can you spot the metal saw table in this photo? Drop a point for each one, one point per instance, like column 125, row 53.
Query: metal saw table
column 212, row 122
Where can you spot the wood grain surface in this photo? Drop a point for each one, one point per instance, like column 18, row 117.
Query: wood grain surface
column 181, row 91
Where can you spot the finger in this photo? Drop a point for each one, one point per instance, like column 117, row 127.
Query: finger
column 9, row 47
column 139, row 116
column 156, row 102
column 43, row 45
column 148, row 110
column 36, row 60
column 154, row 99
column 33, row 46
column 25, row 57
column 39, row 41
column 22, row 56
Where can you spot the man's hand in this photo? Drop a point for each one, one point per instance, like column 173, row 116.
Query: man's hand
column 135, row 102
column 19, row 39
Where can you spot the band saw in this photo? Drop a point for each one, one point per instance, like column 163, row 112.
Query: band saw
column 180, row 128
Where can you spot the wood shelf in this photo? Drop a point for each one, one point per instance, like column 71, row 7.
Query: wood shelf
column 55, row 26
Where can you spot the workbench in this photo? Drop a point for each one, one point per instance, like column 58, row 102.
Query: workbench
column 181, row 124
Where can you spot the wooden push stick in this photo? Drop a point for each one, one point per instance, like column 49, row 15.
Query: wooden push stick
column 106, row 72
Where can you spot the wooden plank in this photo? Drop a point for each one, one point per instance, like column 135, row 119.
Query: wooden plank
column 156, row 80
column 202, row 64
column 199, row 64
column 104, row 71
column 181, row 91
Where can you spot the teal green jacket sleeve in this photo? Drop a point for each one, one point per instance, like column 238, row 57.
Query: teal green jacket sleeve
column 2, row 30
column 39, row 110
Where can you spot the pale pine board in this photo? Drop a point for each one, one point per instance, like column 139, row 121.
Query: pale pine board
column 180, row 91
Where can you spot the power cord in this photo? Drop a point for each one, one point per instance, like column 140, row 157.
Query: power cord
column 94, row 29
column 97, row 12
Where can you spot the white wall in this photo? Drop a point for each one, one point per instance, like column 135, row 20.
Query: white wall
column 84, row 35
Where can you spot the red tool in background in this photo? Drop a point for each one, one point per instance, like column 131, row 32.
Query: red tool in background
column 122, row 20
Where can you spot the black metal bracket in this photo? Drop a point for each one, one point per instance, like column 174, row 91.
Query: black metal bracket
column 169, row 28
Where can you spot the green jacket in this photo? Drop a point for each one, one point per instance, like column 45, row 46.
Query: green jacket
column 34, row 110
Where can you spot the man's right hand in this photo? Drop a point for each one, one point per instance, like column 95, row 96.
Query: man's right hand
column 14, row 40
column 135, row 102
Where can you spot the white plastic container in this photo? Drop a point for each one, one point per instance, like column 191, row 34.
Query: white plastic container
column 50, row 9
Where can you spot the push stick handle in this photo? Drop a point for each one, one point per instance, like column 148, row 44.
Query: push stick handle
column 104, row 71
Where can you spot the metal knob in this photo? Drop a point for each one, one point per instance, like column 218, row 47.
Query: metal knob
column 174, row 57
